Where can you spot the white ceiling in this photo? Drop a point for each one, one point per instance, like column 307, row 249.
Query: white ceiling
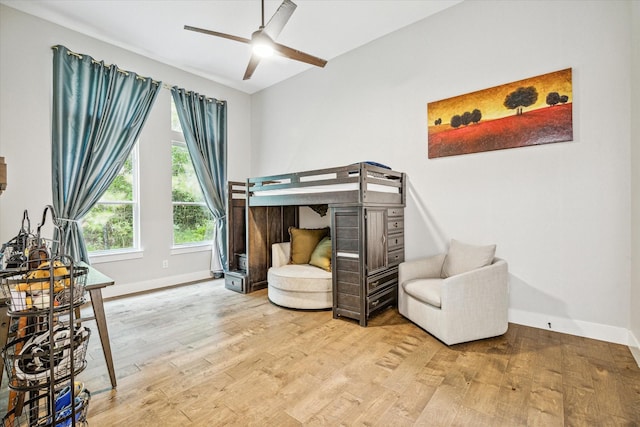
column 323, row 28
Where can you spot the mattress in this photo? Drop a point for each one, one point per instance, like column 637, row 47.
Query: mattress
column 350, row 186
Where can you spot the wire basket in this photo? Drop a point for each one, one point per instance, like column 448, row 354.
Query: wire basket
column 34, row 409
column 39, row 356
column 54, row 285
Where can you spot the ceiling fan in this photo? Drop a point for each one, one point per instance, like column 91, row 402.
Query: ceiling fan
column 262, row 40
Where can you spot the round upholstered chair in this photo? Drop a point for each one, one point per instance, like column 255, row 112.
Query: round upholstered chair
column 299, row 286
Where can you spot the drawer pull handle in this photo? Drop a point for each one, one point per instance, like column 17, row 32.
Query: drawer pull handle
column 376, row 302
column 374, row 284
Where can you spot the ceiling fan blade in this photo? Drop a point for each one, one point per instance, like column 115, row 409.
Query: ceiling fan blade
column 251, row 67
column 298, row 55
column 217, row 34
column 279, row 19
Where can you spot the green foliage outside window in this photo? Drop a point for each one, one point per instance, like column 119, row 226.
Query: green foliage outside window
column 109, row 225
column 192, row 220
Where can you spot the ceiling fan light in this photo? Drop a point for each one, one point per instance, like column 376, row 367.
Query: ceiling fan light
column 263, row 50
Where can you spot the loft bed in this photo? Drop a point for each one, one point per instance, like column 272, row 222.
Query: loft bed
column 358, row 183
column 262, row 209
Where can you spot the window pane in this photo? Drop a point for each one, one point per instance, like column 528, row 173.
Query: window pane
column 121, row 188
column 111, row 222
column 108, row 227
column 185, row 187
column 192, row 220
column 175, row 121
column 191, row 224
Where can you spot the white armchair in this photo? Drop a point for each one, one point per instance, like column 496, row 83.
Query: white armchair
column 463, row 307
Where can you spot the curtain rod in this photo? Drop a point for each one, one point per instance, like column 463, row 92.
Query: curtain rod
column 126, row 73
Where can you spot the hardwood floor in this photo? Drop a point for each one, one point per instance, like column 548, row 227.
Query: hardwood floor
column 202, row 355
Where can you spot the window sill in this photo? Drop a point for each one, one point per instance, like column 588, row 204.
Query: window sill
column 102, row 257
column 187, row 249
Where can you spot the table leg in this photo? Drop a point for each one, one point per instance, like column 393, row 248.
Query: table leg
column 5, row 321
column 101, row 322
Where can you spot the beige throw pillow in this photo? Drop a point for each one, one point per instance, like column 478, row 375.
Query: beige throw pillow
column 463, row 257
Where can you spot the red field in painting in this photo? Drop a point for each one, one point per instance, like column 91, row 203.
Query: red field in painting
column 542, row 126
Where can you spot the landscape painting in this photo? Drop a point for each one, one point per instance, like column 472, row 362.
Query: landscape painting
column 533, row 111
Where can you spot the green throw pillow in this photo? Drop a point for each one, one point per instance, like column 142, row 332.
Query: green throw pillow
column 321, row 256
column 304, row 241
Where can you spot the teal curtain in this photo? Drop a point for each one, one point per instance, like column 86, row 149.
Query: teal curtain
column 204, row 124
column 98, row 113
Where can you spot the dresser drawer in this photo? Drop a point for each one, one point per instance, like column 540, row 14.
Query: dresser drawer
column 381, row 300
column 395, row 225
column 395, row 212
column 395, row 241
column 235, row 281
column 378, row 282
column 395, row 257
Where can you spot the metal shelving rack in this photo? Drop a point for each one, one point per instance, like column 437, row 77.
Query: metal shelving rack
column 47, row 345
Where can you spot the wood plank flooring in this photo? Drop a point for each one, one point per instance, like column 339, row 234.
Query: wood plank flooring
column 201, row 355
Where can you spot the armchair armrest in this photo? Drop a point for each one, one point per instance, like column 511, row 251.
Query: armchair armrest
column 421, row 268
column 478, row 290
column 280, row 254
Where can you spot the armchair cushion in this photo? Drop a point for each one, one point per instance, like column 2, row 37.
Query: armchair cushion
column 463, row 257
column 425, row 290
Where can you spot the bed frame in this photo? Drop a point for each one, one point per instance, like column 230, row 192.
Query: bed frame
column 261, row 211
column 358, row 183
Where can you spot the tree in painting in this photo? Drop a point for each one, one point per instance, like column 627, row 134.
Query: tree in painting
column 521, row 98
column 466, row 118
column 476, row 115
column 554, row 98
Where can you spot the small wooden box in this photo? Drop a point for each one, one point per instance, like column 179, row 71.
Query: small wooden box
column 236, row 281
column 242, row 262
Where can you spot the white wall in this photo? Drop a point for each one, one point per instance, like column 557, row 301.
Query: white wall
column 559, row 213
column 635, row 185
column 25, row 135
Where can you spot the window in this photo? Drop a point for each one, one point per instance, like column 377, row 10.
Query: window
column 112, row 223
column 192, row 219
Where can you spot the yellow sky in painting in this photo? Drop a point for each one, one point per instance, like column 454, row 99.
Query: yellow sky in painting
column 491, row 101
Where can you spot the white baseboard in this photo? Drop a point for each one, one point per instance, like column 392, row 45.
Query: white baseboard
column 121, row 289
column 579, row 328
column 634, row 346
